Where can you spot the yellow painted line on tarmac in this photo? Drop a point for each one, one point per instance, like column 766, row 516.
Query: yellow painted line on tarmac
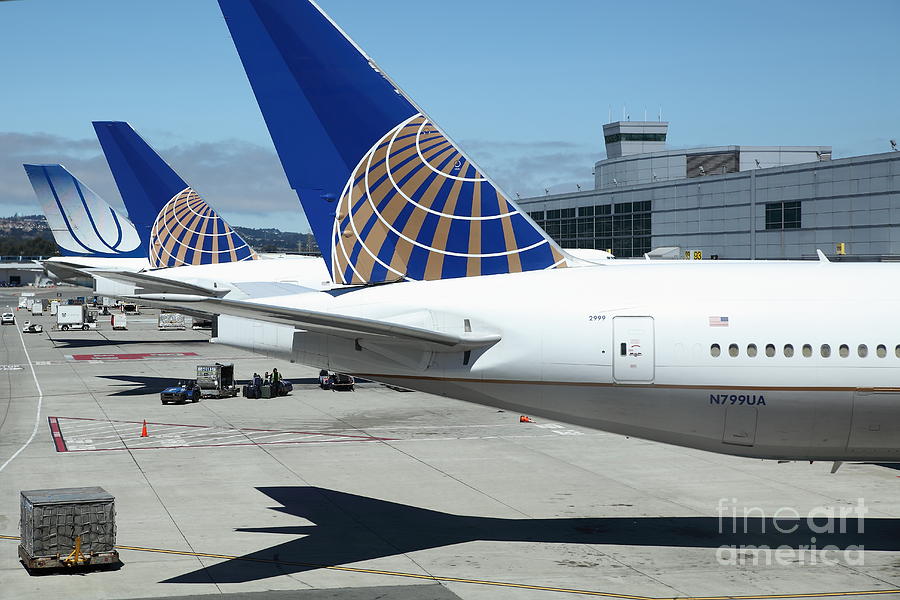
column 541, row 588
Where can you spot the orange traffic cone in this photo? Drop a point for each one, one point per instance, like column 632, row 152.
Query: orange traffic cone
column 524, row 419
column 144, row 429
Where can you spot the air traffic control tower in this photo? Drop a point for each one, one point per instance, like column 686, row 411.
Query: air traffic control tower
column 624, row 138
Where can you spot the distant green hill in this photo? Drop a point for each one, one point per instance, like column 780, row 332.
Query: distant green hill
column 26, row 235
column 275, row 240
column 29, row 235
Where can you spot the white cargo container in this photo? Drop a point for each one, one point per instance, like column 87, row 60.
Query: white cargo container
column 54, row 523
column 170, row 321
column 37, row 308
column 54, row 307
column 119, row 322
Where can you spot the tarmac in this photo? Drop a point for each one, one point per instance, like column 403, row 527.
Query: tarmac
column 384, row 493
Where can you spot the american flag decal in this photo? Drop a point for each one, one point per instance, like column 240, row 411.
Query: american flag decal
column 718, row 321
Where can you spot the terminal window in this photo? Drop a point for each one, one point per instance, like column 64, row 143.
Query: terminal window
column 623, row 227
column 783, row 215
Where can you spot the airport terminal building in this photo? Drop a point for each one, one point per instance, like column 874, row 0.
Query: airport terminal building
column 729, row 202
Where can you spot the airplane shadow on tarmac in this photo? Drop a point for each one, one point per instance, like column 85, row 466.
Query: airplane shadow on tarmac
column 140, row 385
column 95, row 343
column 347, row 528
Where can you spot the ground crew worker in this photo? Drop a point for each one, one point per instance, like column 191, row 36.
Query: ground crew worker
column 276, row 381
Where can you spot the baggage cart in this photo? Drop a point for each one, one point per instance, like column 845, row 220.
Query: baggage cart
column 216, row 381
column 169, row 321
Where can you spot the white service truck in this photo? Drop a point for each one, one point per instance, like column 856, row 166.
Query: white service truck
column 73, row 316
column 26, row 300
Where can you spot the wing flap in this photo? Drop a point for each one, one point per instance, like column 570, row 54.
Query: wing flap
column 156, row 284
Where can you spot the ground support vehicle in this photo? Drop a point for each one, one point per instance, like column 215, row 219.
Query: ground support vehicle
column 324, row 379
column 342, row 382
column 74, row 316
column 30, row 327
column 181, row 393
column 201, row 323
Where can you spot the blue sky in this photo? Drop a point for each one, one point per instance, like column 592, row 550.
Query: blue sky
column 525, row 87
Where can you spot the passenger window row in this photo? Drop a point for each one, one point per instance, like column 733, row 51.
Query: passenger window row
column 806, row 350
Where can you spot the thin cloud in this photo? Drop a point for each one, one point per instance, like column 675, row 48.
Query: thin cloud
column 242, row 181
column 245, row 183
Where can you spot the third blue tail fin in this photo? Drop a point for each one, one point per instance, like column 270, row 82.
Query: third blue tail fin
column 174, row 222
column 81, row 222
column 386, row 193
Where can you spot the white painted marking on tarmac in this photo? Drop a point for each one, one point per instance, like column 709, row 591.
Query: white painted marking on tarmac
column 116, row 435
column 40, row 402
column 10, row 367
column 559, row 429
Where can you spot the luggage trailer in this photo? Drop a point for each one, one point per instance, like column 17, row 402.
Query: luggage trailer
column 216, row 381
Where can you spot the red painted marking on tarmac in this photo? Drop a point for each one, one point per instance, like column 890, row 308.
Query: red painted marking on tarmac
column 57, row 435
column 137, row 356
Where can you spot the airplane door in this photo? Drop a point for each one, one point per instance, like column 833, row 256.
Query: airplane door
column 633, row 349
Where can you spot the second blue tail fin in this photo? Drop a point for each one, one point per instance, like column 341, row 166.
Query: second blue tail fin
column 176, row 225
column 388, row 195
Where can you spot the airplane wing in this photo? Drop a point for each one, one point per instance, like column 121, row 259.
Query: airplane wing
column 65, row 270
column 323, row 322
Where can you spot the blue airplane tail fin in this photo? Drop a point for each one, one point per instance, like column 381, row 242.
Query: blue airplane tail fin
column 387, row 194
column 176, row 225
column 81, row 222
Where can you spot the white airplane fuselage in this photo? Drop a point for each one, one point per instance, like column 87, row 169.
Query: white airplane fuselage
column 628, row 347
